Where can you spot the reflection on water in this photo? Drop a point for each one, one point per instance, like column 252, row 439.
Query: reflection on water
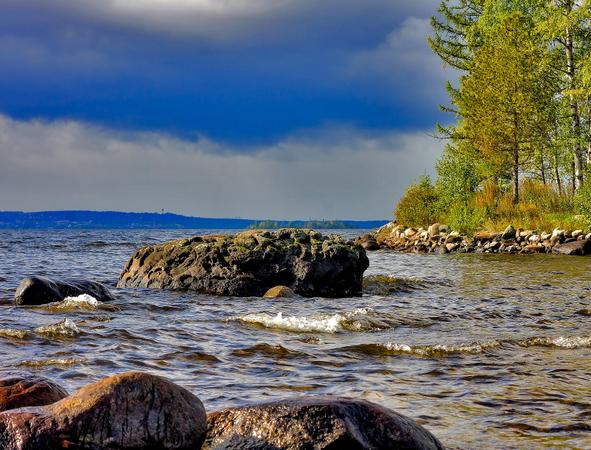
column 487, row 351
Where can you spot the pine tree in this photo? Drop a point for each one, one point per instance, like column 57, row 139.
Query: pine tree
column 505, row 101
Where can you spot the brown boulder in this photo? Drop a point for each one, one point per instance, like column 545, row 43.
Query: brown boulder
column 21, row 391
column 316, row 423
column 127, row 411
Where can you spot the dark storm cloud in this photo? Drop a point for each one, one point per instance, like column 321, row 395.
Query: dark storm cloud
column 259, row 108
column 238, row 70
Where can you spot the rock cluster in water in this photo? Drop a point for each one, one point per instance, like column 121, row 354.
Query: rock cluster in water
column 251, row 263
column 441, row 239
column 140, row 411
column 40, row 290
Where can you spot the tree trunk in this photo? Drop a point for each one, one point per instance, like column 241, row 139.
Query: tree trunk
column 557, row 174
column 515, row 177
column 542, row 167
column 574, row 106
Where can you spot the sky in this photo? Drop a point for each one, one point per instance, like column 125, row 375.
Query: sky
column 282, row 109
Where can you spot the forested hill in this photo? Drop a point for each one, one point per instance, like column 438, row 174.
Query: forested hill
column 122, row 220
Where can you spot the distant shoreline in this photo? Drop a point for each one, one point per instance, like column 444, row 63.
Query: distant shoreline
column 151, row 221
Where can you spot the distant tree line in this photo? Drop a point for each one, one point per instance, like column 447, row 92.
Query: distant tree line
column 521, row 134
column 313, row 224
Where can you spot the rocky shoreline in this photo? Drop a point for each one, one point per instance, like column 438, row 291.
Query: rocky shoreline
column 441, row 239
column 136, row 410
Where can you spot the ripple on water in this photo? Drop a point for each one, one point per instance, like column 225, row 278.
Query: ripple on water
column 63, row 329
column 57, row 362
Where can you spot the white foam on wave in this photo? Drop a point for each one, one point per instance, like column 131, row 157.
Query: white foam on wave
column 442, row 349
column 82, row 302
column 332, row 323
column 568, row 342
column 474, row 348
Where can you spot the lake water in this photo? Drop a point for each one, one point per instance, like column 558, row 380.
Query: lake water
column 486, row 351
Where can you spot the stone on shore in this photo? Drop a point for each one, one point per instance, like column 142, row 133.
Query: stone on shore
column 123, row 412
column 29, row 390
column 577, row 248
column 250, row 263
column 316, row 423
column 41, row 291
column 509, row 233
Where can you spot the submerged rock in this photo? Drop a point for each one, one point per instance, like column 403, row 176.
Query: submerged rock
column 250, row 263
column 316, row 423
column 280, row 292
column 127, row 411
column 577, row 248
column 41, row 291
column 29, row 390
column 386, row 285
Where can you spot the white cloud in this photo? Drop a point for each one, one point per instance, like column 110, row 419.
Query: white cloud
column 403, row 62
column 334, row 173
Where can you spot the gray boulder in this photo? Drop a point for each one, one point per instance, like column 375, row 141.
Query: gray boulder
column 578, row 248
column 368, row 242
column 251, row 263
column 509, row 233
column 40, row 291
column 316, row 423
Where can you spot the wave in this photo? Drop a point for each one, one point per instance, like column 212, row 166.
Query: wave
column 358, row 320
column 571, row 342
column 474, row 348
column 60, row 362
column 63, row 329
column 83, row 302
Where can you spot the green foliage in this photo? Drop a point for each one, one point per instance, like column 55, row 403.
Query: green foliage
column 583, row 202
column 522, row 107
column 418, row 205
column 465, row 218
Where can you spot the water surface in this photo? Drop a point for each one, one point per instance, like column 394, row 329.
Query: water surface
column 486, row 351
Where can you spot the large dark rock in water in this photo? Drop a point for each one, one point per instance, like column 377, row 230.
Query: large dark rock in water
column 250, row 263
column 126, row 411
column 313, row 423
column 29, row 390
column 577, row 248
column 40, row 291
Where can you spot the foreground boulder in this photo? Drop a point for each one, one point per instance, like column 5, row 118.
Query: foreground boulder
column 576, row 248
column 126, row 411
column 41, row 291
column 22, row 391
column 250, row 263
column 314, row 423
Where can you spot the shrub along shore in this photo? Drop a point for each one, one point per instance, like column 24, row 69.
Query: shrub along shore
column 441, row 239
